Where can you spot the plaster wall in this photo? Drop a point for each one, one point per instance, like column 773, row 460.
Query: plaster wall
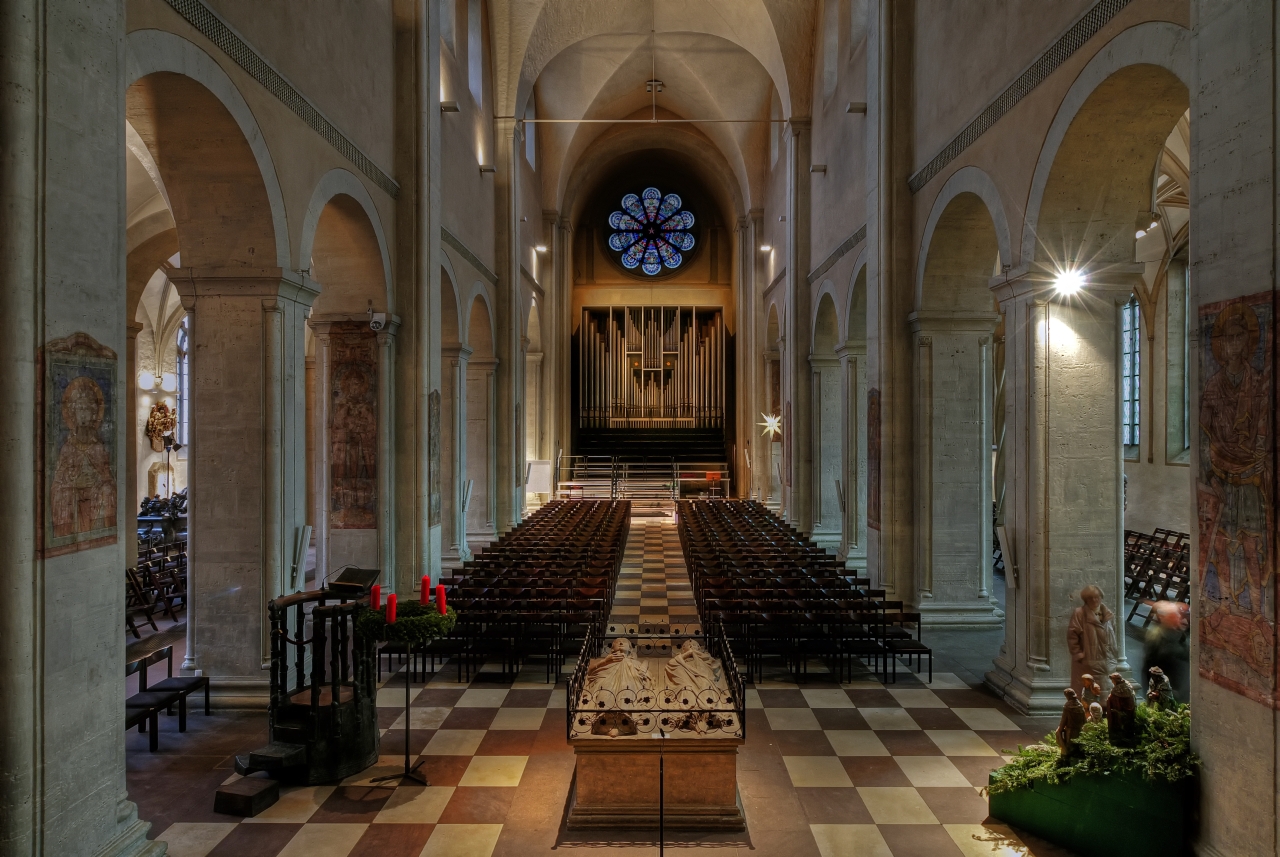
column 352, row 84
column 838, row 195
column 965, row 54
column 299, row 156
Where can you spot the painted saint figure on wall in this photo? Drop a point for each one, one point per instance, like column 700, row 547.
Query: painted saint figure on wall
column 78, row 451
column 353, row 430
column 1234, row 491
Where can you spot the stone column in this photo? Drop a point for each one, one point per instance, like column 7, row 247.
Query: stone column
column 953, row 380
column 386, row 450
column 453, row 425
column 509, row 470
column 853, row 432
column 827, row 446
column 482, row 512
column 1063, row 507
column 247, row 466
column 320, row 440
column 129, row 518
column 798, row 324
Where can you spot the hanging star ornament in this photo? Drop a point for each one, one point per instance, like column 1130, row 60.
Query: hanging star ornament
column 772, row 425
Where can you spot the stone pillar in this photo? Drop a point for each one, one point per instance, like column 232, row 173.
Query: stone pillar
column 1063, row 507
column 320, row 441
column 483, row 432
column 509, row 469
column 853, row 432
column 827, row 446
column 386, row 450
column 453, row 426
column 247, row 466
column 556, row 342
column 129, row 518
column 798, row 324
column 953, row 379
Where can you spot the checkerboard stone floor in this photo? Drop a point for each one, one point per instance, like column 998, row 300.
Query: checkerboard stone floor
column 827, row 769
column 653, row 585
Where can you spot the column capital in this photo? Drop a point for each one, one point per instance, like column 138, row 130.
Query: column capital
column 851, row 349
column 818, row 361
column 953, row 322
column 1039, row 284
column 132, row 329
column 460, row 352
column 267, row 283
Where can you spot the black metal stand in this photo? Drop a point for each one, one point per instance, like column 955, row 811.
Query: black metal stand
column 662, row 804
column 410, row 773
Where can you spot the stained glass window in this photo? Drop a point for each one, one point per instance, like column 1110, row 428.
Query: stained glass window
column 651, row 231
column 1130, row 372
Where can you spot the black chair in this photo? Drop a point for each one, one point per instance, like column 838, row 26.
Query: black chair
column 143, row 708
column 181, row 684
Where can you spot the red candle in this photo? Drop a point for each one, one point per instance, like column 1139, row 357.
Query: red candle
column 375, row 597
column 425, row 594
column 391, row 609
column 440, row 598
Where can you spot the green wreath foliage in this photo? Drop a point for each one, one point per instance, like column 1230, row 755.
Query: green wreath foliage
column 416, row 623
column 1163, row 754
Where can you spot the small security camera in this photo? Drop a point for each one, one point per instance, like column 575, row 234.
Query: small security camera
column 377, row 320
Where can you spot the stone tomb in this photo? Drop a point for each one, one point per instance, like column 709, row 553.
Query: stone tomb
column 655, row 738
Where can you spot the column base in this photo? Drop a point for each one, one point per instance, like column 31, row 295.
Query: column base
column 132, row 840
column 829, row 541
column 1037, row 697
column 975, row 615
column 239, row 694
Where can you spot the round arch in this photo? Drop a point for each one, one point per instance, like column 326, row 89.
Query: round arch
column 855, row 314
column 826, row 296
column 331, row 194
column 962, row 202
column 1142, row 67
column 152, row 52
column 480, row 295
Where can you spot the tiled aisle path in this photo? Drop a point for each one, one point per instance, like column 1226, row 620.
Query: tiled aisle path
column 827, row 770
column 653, row 585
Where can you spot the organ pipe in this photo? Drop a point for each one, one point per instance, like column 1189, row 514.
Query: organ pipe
column 652, row 366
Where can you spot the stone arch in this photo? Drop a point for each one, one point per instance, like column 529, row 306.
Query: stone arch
column 1094, row 172
column 345, row 246
column 479, row 297
column 204, row 138
column 855, row 317
column 965, row 237
column 826, row 292
column 826, row 322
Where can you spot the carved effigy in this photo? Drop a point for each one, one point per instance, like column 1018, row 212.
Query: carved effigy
column 688, row 694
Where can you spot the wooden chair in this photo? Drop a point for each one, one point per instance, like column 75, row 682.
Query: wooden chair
column 143, row 708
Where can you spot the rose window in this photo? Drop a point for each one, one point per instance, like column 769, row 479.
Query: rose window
column 651, row 231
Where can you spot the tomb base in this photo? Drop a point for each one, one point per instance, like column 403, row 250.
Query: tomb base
column 616, row 783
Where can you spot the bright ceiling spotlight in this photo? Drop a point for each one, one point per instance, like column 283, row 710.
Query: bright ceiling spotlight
column 169, row 382
column 541, row 248
column 1069, row 282
column 765, row 248
column 146, row 380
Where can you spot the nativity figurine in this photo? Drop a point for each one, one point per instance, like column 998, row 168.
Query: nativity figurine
column 1090, row 690
column 1073, row 720
column 1160, row 691
column 1122, row 717
column 1091, row 637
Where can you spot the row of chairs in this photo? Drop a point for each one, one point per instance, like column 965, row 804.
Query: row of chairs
column 779, row 595
column 533, row 594
column 143, row 708
column 157, row 584
column 1157, row 567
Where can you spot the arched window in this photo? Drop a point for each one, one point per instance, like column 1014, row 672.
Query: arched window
column 183, row 396
column 1130, row 376
column 475, row 52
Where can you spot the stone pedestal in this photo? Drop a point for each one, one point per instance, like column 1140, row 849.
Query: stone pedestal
column 953, row 380
column 616, row 783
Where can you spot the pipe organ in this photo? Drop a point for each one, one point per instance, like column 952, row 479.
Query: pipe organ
column 651, row 367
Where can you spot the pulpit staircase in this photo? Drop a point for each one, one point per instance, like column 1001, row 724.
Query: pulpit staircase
column 322, row 718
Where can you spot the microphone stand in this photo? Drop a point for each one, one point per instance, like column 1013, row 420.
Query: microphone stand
column 410, row 773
